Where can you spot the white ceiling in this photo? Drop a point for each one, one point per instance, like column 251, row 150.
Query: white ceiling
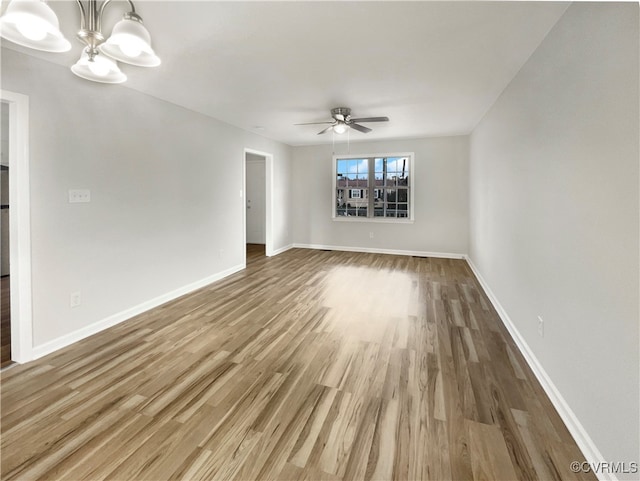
column 434, row 68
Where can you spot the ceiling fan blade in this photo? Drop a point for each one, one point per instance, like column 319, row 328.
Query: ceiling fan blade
column 314, row 123
column 360, row 128
column 325, row 130
column 371, row 119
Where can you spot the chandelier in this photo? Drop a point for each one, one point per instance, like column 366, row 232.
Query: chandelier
column 33, row 24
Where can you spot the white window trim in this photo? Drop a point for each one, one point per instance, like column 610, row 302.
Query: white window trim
column 381, row 220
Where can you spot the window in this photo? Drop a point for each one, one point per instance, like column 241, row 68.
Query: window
column 374, row 187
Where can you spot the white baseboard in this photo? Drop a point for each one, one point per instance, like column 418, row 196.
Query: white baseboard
column 281, row 250
column 75, row 336
column 374, row 250
column 583, row 440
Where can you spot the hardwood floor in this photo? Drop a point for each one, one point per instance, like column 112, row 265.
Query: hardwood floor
column 5, row 322
column 255, row 251
column 310, row 365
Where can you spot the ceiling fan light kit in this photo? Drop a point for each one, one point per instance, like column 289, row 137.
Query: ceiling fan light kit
column 33, row 24
column 342, row 122
column 340, row 128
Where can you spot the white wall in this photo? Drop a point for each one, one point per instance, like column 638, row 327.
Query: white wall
column 165, row 185
column 441, row 198
column 554, row 215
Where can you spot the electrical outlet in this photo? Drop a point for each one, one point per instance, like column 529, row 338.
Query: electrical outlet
column 220, row 253
column 79, row 195
column 370, row 235
column 540, row 326
column 74, row 299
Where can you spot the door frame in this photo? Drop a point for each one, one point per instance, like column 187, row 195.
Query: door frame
column 19, row 227
column 268, row 190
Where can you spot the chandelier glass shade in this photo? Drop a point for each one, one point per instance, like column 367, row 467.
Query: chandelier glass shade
column 33, row 24
column 130, row 42
column 100, row 68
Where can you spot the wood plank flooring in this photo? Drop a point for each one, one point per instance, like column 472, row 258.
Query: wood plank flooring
column 310, row 365
column 254, row 251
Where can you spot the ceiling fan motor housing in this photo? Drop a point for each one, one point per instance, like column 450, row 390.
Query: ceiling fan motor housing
column 343, row 111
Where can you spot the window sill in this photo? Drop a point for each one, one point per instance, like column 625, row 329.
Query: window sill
column 373, row 220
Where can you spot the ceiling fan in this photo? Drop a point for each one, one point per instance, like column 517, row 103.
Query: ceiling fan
column 342, row 121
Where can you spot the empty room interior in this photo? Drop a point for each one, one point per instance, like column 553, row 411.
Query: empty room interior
column 321, row 240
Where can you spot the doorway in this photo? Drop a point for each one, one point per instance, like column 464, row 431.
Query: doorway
column 257, row 209
column 16, row 230
column 256, row 199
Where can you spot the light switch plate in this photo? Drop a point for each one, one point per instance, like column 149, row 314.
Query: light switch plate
column 79, row 195
column 75, row 299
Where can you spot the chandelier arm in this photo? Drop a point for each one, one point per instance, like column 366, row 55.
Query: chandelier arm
column 104, row 4
column 83, row 15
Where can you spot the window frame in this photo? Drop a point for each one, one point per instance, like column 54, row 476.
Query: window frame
column 371, row 188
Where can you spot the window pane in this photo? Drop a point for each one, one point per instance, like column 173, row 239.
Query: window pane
column 390, row 181
column 340, row 202
column 352, row 169
column 356, row 187
column 356, row 166
column 388, row 185
column 397, row 164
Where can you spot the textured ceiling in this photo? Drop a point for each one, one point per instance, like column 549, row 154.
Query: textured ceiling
column 434, row 68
